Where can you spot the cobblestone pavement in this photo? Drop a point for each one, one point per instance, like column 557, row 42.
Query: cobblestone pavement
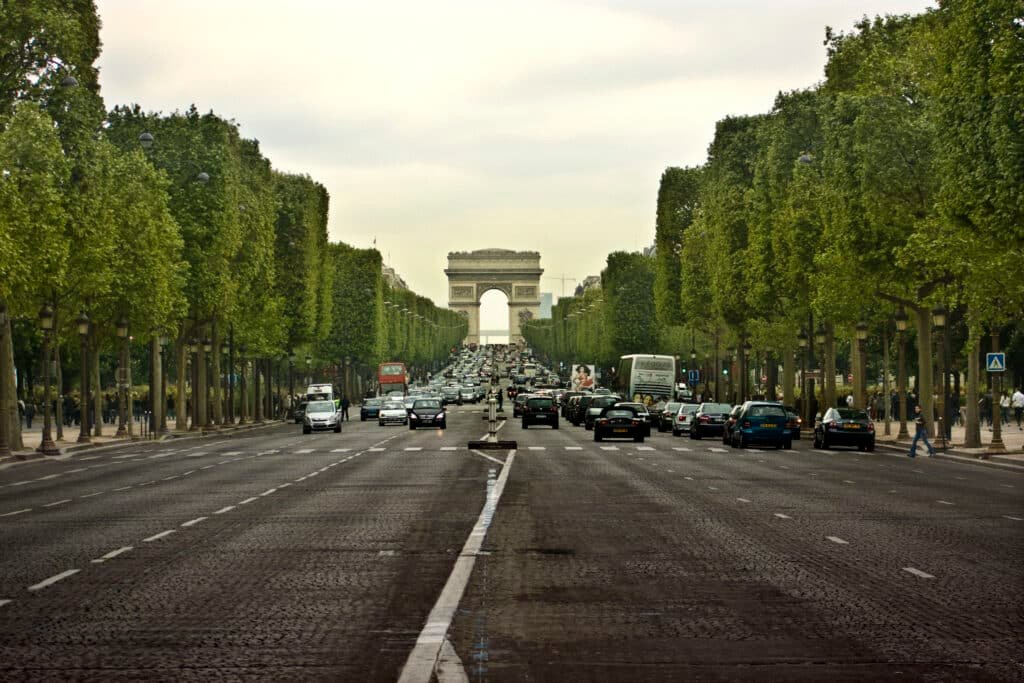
column 271, row 555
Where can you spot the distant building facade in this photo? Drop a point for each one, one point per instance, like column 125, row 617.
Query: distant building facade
column 392, row 278
column 547, row 300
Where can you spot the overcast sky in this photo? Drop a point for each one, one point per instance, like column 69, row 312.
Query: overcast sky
column 442, row 126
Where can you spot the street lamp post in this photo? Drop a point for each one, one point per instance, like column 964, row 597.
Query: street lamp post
column 46, row 446
column 291, row 380
column 820, row 337
column 862, row 335
column 309, row 370
column 243, row 403
column 730, row 355
column 6, row 404
column 997, row 446
column 207, row 418
column 745, row 380
column 193, row 348
column 901, row 371
column 225, row 401
column 83, row 333
column 801, row 342
column 161, row 426
column 122, row 379
column 939, row 320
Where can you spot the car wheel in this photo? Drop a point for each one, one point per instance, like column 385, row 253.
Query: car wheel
column 362, row 418
column 742, row 441
column 788, row 445
column 337, row 430
column 860, row 447
column 871, row 447
column 412, row 426
column 824, row 443
column 597, row 435
column 442, row 425
column 525, row 425
column 555, row 426
column 675, row 433
column 696, row 435
column 380, row 423
column 639, row 438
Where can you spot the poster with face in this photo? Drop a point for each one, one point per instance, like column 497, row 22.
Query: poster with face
column 582, row 377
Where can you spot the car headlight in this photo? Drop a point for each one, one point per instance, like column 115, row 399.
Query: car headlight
column 414, row 416
column 440, row 416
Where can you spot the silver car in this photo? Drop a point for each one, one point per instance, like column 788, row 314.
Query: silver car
column 393, row 412
column 321, row 416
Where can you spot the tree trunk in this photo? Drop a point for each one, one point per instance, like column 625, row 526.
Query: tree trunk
column 215, row 379
column 199, row 390
column 156, row 385
column 829, row 368
column 257, row 397
column 789, row 377
column 924, row 367
column 856, row 370
column 181, row 398
column 58, row 380
column 94, row 382
column 886, row 384
column 8, row 390
column 972, row 428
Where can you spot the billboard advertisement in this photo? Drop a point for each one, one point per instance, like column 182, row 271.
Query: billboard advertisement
column 583, row 377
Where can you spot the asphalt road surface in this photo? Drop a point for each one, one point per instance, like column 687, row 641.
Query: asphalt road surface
column 272, row 555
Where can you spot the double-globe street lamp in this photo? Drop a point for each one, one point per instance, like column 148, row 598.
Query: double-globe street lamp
column 208, row 423
column 6, row 410
column 83, row 333
column 122, row 378
column 862, row 335
column 939, row 320
column 46, row 445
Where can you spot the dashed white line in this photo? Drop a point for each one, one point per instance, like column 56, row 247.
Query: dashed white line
column 375, row 450
column 536, row 448
column 1007, row 486
column 224, row 462
column 303, row 451
column 157, row 537
column 123, row 488
column 414, row 448
column 782, row 516
column 714, row 449
column 56, row 503
column 198, row 455
column 21, row 483
column 80, row 469
column 688, row 478
column 743, row 500
column 92, row 457
column 944, row 502
column 147, row 483
column 284, row 485
column 173, row 476
column 248, row 500
column 94, row 493
column 340, row 450
column 112, row 554
column 301, row 479
column 712, row 488
column 918, row 573
column 1016, row 519
column 609, row 448
column 16, row 512
column 193, row 522
column 232, row 453
column 5, row 602
column 682, row 449
column 206, row 467
column 449, row 448
column 847, row 481
column 574, row 448
column 836, row 539
column 50, row 476
column 229, row 508
column 268, row 492
column 781, row 467
column 54, row 579
column 644, row 448
column 185, row 474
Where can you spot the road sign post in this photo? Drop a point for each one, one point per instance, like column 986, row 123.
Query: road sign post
column 995, row 362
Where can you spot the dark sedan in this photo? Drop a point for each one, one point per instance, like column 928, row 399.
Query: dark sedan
column 845, row 427
column 796, row 420
column 427, row 412
column 709, row 420
column 762, row 423
column 620, row 423
column 667, row 416
column 370, row 410
column 641, row 410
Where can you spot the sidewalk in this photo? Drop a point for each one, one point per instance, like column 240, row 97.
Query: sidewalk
column 1013, row 440
column 69, row 444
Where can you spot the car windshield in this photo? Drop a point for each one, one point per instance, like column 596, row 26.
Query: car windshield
column 540, row 403
column 852, row 414
column 715, row 407
column 427, row 403
column 372, row 402
column 393, row 405
column 320, row 407
column 672, row 407
column 766, row 411
column 637, row 407
column 687, row 409
column 603, row 402
column 620, row 412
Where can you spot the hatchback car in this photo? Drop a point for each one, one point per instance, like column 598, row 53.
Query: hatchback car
column 795, row 418
column 620, row 423
column 321, row 416
column 427, row 412
column 641, row 410
column 393, row 412
column 370, row 409
column 709, row 420
column 667, row 416
column 845, row 427
column 540, row 410
column 762, row 423
column 681, row 422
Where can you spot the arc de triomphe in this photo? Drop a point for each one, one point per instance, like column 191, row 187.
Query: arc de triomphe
column 517, row 273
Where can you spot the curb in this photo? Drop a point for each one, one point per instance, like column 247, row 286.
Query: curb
column 992, row 461
column 69, row 451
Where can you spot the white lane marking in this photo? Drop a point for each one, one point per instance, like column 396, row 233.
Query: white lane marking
column 152, row 457
column 198, row 455
column 918, row 471
column 112, row 554
column 812, row 474
column 386, row 553
column 301, row 479
column 918, row 572
column 54, row 579
column 449, row 448
column 185, row 474
column 224, row 462
column 173, row 476
column 743, row 500
column 157, row 537
column 5, row 602
column 193, row 522
column 16, row 512
column 229, row 508
column 147, row 483
column 232, row 453
column 123, row 488
column 847, row 481
column 715, row 449
column 21, row 483
column 284, row 485
column 782, row 516
column 609, row 448
column 302, row 451
column 420, row 664
column 94, row 493
column 248, row 500
column 50, row 476
column 267, row 492
column 206, row 467
column 644, row 448
column 755, row 450
column 80, row 469
column 375, row 450
column 1016, row 519
column 489, row 457
column 944, row 502
column 574, row 448
column 56, row 503
column 712, row 488
column 688, row 478
column 313, row 474
column 536, row 448
column 1007, row 486
column 836, row 539
column 340, row 450
column 892, row 490
column 781, row 467
column 414, row 448
column 673, row 471
column 92, row 457
column 682, row 449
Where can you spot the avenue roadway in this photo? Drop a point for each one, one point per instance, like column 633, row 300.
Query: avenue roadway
column 276, row 556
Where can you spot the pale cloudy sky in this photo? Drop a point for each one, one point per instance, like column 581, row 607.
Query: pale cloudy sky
column 442, row 125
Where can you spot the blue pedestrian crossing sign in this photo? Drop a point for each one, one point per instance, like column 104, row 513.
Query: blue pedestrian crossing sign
column 995, row 362
column 694, row 376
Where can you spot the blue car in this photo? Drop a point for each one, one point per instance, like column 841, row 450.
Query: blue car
column 762, row 422
column 370, row 410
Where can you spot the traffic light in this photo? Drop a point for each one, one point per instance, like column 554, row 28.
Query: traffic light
column 725, row 369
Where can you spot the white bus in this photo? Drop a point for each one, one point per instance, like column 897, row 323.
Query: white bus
column 646, row 378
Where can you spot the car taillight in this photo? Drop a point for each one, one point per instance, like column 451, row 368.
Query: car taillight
column 682, row 418
column 603, row 421
column 636, row 421
column 705, row 418
column 746, row 424
column 790, row 425
column 833, row 424
column 871, row 426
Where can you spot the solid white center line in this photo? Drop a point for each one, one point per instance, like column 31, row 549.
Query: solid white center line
column 1016, row 519
column 918, row 572
column 94, row 493
column 743, row 500
column 836, row 539
column 16, row 512
column 229, row 508
column 267, row 492
column 193, row 522
column 248, row 500
column 56, row 503
column 782, row 516
column 54, row 579
column 112, row 554
column 157, row 537
column 944, row 502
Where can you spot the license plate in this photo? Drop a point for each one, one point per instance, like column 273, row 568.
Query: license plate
column 851, row 426
column 620, row 431
column 769, row 425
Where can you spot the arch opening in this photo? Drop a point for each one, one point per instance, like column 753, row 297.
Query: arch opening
column 494, row 328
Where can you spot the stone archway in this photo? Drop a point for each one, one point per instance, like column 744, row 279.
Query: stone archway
column 516, row 273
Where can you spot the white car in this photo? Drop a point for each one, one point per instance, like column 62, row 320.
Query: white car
column 681, row 423
column 393, row 412
column 321, row 415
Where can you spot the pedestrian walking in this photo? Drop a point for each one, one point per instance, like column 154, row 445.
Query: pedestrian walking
column 1018, row 406
column 30, row 412
column 344, row 408
column 921, row 432
column 1004, row 408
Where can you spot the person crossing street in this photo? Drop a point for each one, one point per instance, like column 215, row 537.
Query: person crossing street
column 920, row 433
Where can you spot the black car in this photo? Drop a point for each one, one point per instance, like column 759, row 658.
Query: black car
column 667, row 416
column 709, row 420
column 794, row 417
column 595, row 408
column 540, row 410
column 370, row 409
column 565, row 400
column 845, row 427
column 576, row 417
column 620, row 423
column 427, row 412
column 641, row 410
column 300, row 412
column 519, row 402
